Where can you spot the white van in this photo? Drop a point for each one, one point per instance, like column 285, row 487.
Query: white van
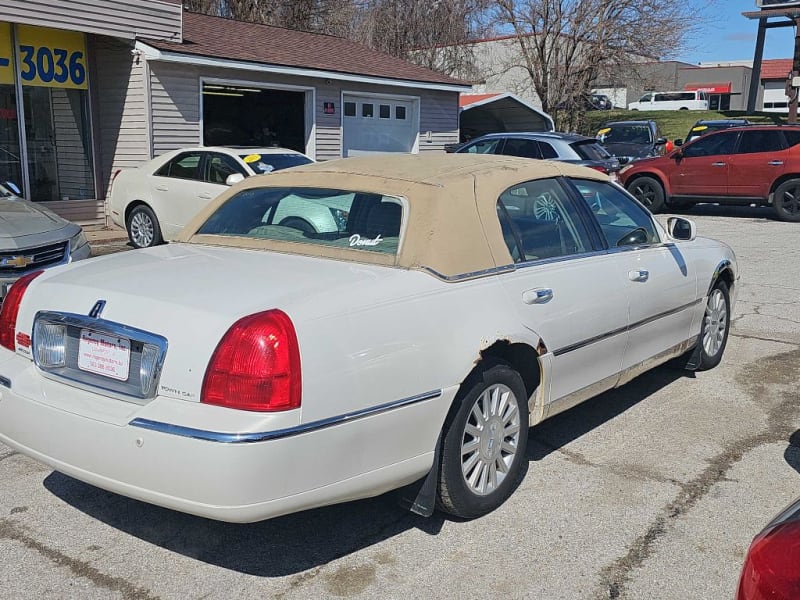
column 696, row 100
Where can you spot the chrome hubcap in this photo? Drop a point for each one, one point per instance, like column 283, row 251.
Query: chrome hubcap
column 142, row 229
column 715, row 323
column 491, row 439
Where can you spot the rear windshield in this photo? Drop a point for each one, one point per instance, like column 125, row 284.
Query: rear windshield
column 325, row 217
column 266, row 163
column 590, row 150
column 625, row 134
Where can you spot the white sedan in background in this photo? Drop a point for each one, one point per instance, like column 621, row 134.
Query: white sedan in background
column 266, row 369
column 155, row 200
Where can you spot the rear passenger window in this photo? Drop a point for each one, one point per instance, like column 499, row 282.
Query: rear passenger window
column 539, row 221
column 482, row 147
column 521, row 147
column 547, row 150
column 623, row 221
column 753, row 141
column 183, row 166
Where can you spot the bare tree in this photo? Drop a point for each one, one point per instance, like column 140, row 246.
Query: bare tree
column 564, row 46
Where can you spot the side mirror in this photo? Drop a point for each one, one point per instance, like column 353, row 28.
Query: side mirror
column 637, row 237
column 681, row 229
column 678, row 142
column 234, row 178
column 661, row 141
column 13, row 187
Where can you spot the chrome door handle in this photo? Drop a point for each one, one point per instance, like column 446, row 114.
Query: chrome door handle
column 719, row 164
column 162, row 188
column 638, row 275
column 775, row 163
column 205, row 196
column 537, row 296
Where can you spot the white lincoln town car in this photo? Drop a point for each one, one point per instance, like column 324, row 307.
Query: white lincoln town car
column 254, row 369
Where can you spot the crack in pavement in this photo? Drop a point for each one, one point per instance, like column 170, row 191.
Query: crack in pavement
column 777, row 370
column 10, row 531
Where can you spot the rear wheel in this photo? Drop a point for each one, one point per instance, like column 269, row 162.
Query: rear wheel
column 786, row 201
column 143, row 228
column 649, row 192
column 483, row 447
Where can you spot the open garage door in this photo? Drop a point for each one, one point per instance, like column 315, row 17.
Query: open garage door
column 378, row 124
column 242, row 115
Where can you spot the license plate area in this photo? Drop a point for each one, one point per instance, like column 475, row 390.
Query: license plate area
column 102, row 354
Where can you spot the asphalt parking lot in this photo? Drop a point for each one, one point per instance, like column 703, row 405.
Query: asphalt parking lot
column 652, row 491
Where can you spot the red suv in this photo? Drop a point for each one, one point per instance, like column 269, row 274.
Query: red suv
column 741, row 165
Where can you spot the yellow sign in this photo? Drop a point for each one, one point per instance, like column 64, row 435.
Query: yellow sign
column 251, row 158
column 6, row 55
column 52, row 57
column 604, row 131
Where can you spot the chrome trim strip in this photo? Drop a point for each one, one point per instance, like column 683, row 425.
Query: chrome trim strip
column 472, row 275
column 5, row 382
column 264, row 436
column 542, row 261
column 602, row 336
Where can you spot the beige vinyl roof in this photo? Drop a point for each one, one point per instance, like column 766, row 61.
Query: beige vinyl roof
column 450, row 226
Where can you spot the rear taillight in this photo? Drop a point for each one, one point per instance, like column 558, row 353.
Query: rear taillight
column 256, row 365
column 10, row 309
column 771, row 568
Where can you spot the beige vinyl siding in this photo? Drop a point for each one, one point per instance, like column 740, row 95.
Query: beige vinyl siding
column 121, row 111
column 82, row 212
column 155, row 19
column 175, row 91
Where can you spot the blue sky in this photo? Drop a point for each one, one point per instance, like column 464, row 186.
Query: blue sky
column 728, row 35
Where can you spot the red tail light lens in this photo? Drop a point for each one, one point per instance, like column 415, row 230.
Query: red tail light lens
column 10, row 309
column 256, row 365
column 771, row 569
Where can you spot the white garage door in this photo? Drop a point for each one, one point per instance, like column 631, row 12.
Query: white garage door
column 775, row 99
column 373, row 125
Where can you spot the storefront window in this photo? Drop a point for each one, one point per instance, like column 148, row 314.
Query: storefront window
column 59, row 144
column 54, row 116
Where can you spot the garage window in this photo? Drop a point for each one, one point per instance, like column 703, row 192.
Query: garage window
column 366, row 110
column 400, row 112
column 349, row 109
column 385, row 111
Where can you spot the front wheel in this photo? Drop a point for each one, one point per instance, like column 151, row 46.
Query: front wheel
column 716, row 324
column 143, row 228
column 649, row 192
column 786, row 201
column 483, row 448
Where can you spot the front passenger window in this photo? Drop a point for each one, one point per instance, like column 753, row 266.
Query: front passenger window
column 711, row 145
column 622, row 220
column 539, row 221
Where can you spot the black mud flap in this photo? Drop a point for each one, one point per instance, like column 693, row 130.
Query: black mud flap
column 694, row 359
column 420, row 496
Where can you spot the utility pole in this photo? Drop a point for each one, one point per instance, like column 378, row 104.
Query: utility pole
column 791, row 88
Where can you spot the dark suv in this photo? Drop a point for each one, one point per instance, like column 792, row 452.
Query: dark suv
column 565, row 147
column 704, row 126
column 757, row 164
column 629, row 140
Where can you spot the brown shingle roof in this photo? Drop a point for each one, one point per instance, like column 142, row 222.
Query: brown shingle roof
column 776, row 68
column 216, row 37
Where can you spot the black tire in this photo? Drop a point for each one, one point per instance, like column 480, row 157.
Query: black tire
column 786, row 201
column 467, row 488
column 143, row 228
column 649, row 192
column 716, row 324
column 684, row 108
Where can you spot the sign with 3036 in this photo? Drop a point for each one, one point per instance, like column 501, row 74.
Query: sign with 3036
column 51, row 57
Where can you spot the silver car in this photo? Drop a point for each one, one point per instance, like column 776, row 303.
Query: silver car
column 33, row 237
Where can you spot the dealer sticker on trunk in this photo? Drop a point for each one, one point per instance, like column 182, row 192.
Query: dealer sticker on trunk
column 105, row 355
